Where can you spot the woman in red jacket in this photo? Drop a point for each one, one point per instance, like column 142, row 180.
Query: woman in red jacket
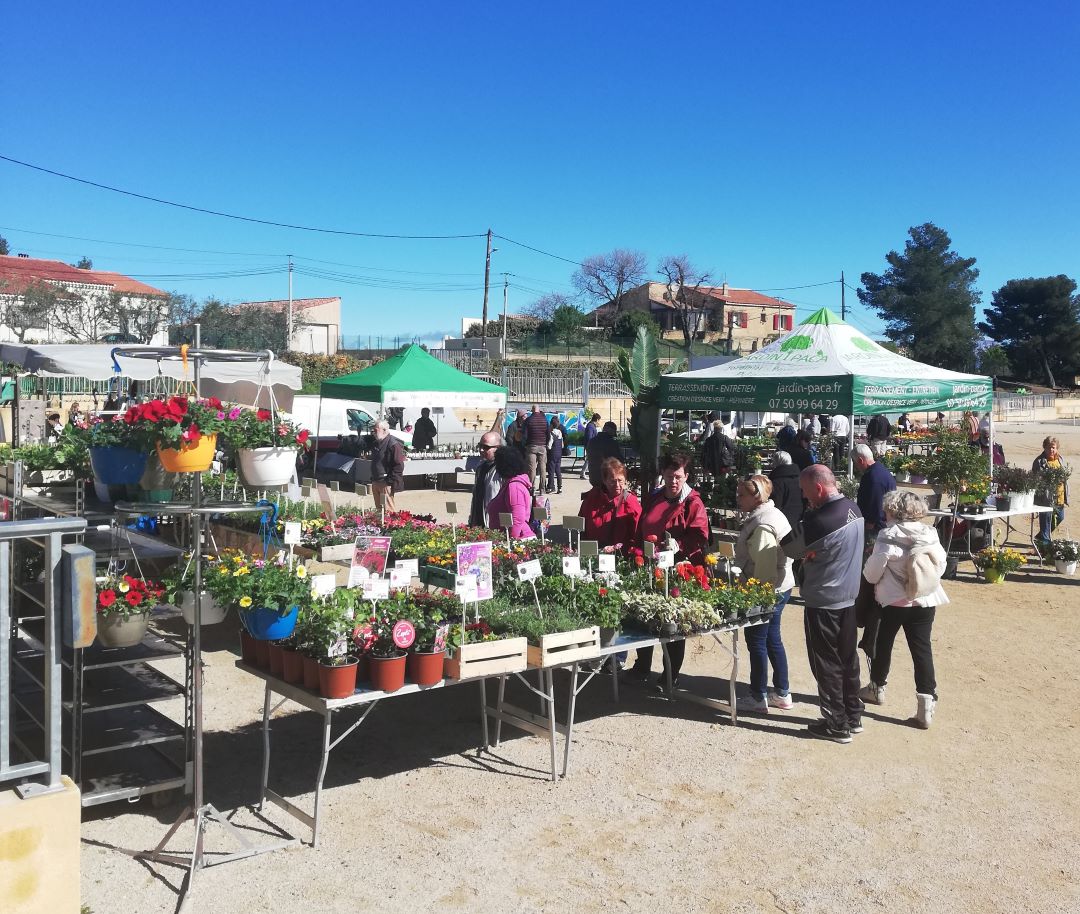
column 677, row 510
column 611, row 511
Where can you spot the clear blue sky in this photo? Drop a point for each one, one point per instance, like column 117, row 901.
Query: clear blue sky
column 776, row 144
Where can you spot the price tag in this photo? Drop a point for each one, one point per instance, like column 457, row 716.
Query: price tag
column 573, row 522
column 215, row 467
column 338, row 648
column 571, row 566
column 665, row 559
column 376, row 589
column 649, row 549
column 323, row 584
column 506, row 519
column 451, row 507
column 400, row 577
column 410, row 565
column 529, row 571
column 588, row 548
column 540, row 514
column 465, row 588
column 605, row 562
column 292, row 533
column 404, row 634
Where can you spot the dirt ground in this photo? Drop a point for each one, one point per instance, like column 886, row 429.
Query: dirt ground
column 668, row 807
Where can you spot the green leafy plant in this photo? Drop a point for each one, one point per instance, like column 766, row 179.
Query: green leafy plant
column 598, row 604
column 254, row 428
column 1065, row 550
column 1000, row 559
column 236, row 579
column 953, row 464
column 639, row 370
column 1013, row 479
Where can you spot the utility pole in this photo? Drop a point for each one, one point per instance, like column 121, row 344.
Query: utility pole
column 487, row 282
column 506, row 287
column 843, row 306
column 288, row 339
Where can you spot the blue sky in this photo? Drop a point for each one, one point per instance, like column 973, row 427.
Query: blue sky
column 775, row 144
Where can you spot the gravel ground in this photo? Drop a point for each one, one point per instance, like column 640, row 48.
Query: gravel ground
column 668, row 806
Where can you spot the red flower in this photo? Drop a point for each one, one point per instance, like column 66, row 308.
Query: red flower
column 213, row 402
column 651, row 538
column 191, row 433
column 177, row 407
column 675, row 591
column 602, row 591
column 133, row 597
column 263, row 415
column 302, row 436
column 639, row 560
column 107, row 597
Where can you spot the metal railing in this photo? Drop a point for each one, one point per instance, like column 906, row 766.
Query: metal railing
column 47, row 535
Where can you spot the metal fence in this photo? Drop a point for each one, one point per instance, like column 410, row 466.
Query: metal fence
column 1020, row 407
column 69, row 387
column 42, row 758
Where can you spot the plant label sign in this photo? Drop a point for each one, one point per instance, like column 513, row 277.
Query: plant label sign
column 369, row 558
column 573, row 522
column 649, row 549
column 571, row 566
column 605, row 562
column 215, row 467
column 292, row 533
column 376, row 589
column 529, row 571
column 466, row 589
column 441, row 634
column 412, row 566
column 588, row 548
column 404, row 634
column 665, row 559
column 323, row 584
column 451, row 507
column 474, row 559
column 324, row 500
column 400, row 578
column 338, row 648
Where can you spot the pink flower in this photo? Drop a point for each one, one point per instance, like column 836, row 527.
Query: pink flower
column 234, row 413
column 220, row 414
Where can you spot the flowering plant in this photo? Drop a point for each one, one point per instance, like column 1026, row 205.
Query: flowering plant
column 1065, row 550
column 95, row 431
column 125, row 595
column 1000, row 559
column 236, row 579
column 176, row 421
column 599, row 604
column 252, row 428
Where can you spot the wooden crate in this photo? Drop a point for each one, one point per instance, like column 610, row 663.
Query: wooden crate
column 488, row 658
column 565, row 647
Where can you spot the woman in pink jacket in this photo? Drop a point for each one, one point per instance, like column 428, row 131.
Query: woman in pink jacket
column 516, row 495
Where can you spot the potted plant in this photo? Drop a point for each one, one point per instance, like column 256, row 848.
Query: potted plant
column 429, row 614
column 1048, row 482
column 265, row 444
column 953, row 466
column 268, row 594
column 325, row 635
column 387, row 657
column 1014, row 485
column 996, row 562
column 123, row 609
column 117, row 450
column 177, row 591
column 602, row 606
column 185, row 430
column 1066, row 553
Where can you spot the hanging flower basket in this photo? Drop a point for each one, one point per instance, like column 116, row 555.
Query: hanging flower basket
column 267, row 466
column 191, row 457
column 268, row 624
column 116, row 630
column 212, row 613
column 117, row 466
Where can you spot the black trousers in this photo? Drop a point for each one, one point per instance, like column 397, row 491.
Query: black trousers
column 917, row 623
column 834, row 660
column 676, row 651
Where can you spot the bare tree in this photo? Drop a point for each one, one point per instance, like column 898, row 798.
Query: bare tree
column 606, row 278
column 685, row 282
column 32, row 309
column 135, row 315
column 83, row 318
column 544, row 308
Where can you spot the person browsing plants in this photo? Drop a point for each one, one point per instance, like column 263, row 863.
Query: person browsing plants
column 1053, row 472
column 611, row 511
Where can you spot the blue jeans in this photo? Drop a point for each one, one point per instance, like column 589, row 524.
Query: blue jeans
column 1045, row 522
column 764, row 647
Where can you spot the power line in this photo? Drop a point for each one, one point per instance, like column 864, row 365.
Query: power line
column 529, row 247
column 224, row 215
column 132, row 244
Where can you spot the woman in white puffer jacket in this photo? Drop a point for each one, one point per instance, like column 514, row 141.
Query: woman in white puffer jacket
column 905, row 569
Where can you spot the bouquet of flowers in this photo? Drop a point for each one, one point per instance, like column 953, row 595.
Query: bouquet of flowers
column 126, row 595
column 176, row 421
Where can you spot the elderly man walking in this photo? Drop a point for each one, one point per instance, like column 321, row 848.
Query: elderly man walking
column 832, row 569
column 487, row 483
column 387, row 466
column 536, row 437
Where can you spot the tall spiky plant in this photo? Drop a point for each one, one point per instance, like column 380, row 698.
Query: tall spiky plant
column 639, row 370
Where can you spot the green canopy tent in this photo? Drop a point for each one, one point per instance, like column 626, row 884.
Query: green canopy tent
column 827, row 366
column 414, row 378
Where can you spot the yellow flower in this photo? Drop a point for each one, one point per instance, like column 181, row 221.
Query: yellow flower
column 123, row 587
column 245, row 602
column 223, row 570
column 301, row 571
column 710, row 559
column 241, row 571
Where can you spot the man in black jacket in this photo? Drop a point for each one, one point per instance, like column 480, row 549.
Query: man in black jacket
column 387, row 467
column 877, row 433
column 786, row 494
column 487, row 483
column 832, row 570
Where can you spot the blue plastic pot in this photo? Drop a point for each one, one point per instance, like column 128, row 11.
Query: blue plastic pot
column 117, row 466
column 268, row 624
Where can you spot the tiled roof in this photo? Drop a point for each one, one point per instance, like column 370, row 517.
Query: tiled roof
column 299, row 304
column 19, row 272
column 744, row 297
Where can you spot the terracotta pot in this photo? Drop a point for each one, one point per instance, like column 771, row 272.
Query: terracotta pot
column 425, row 668
column 247, row 648
column 292, row 666
column 388, row 673
column 262, row 654
column 276, row 661
column 338, row 681
column 267, row 466
column 363, row 668
column 191, row 457
column 121, row 631
column 311, row 672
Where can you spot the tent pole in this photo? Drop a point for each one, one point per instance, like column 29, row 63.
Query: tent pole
column 991, row 455
column 318, row 426
column 851, row 446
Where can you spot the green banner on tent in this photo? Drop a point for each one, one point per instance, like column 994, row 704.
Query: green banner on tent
column 888, row 395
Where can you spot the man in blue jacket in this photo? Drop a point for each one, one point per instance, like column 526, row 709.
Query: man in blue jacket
column 875, row 482
column 832, row 569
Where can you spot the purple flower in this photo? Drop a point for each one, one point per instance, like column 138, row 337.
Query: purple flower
column 220, row 414
column 259, row 563
column 234, row 413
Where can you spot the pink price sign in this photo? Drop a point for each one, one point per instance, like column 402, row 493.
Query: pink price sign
column 404, row 634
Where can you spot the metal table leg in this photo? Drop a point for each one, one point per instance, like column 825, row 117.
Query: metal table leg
column 499, row 706
column 484, row 712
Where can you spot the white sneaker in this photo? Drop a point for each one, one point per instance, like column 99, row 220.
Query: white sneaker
column 872, row 693
column 751, row 705
column 783, row 702
column 925, row 712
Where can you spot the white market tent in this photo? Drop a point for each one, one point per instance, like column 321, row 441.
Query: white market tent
column 826, row 366
column 240, row 382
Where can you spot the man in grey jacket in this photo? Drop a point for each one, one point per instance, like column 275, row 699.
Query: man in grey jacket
column 832, row 570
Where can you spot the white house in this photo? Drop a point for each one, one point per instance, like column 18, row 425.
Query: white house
column 316, row 325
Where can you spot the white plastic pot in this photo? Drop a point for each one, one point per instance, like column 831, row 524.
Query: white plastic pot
column 1065, row 567
column 267, row 466
column 212, row 614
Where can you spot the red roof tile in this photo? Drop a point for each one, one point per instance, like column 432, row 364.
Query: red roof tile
column 744, row 297
column 16, row 273
column 299, row 304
